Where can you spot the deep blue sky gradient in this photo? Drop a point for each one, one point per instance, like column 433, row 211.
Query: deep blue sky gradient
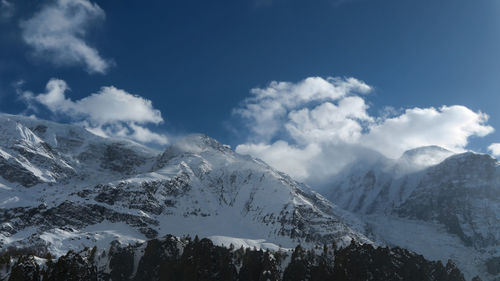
column 196, row 60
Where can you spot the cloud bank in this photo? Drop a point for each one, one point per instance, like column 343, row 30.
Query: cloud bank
column 109, row 112
column 313, row 128
column 57, row 33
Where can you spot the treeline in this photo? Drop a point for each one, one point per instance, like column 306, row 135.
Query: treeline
column 186, row 259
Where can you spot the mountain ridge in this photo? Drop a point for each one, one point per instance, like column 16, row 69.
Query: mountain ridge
column 126, row 192
column 456, row 200
column 121, row 191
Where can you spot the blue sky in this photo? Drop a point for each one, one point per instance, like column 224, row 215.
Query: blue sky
column 197, row 61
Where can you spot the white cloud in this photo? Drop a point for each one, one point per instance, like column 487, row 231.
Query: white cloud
column 447, row 126
column 494, row 148
column 57, row 32
column 315, row 127
column 266, row 109
column 328, row 122
column 109, row 112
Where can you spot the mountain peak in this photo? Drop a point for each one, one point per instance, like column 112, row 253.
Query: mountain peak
column 426, row 149
column 196, row 143
column 425, row 156
column 193, row 144
column 471, row 159
column 14, row 131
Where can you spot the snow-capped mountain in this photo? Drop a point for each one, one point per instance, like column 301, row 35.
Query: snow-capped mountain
column 35, row 151
column 431, row 201
column 463, row 194
column 377, row 184
column 64, row 188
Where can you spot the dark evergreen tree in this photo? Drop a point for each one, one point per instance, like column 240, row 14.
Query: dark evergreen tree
column 171, row 258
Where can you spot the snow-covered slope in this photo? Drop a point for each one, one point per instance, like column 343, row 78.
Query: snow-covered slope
column 377, row 184
column 64, row 188
column 439, row 204
column 35, row 151
column 463, row 194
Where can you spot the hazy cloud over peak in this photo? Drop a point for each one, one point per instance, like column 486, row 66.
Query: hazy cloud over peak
column 321, row 125
column 447, row 126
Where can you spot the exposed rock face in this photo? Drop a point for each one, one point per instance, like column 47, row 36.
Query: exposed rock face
column 71, row 216
column 378, row 184
column 493, row 265
column 16, row 173
column 460, row 194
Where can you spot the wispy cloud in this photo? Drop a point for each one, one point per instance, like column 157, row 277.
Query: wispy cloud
column 7, row 10
column 58, row 31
